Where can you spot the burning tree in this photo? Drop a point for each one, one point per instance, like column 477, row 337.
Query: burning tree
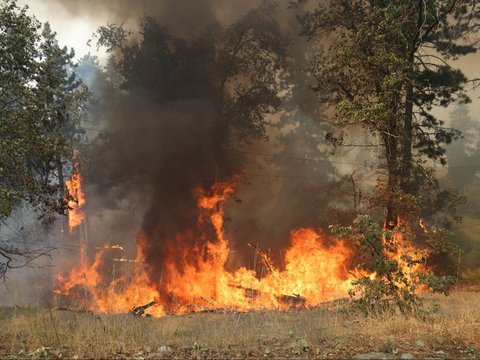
column 40, row 104
column 390, row 269
column 385, row 66
column 184, row 106
column 196, row 102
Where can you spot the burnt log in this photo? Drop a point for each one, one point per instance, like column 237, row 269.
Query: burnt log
column 140, row 310
column 294, row 301
column 249, row 292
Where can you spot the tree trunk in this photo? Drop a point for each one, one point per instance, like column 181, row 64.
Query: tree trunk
column 61, row 184
column 406, row 172
column 392, row 168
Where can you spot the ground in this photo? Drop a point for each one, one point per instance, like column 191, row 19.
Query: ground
column 451, row 330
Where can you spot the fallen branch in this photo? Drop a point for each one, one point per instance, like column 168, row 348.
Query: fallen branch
column 140, row 310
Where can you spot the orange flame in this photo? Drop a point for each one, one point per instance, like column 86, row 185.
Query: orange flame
column 76, row 214
column 315, row 271
column 409, row 258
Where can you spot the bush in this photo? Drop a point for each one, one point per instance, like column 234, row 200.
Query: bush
column 390, row 271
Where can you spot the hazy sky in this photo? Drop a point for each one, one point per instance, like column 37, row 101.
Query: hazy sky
column 76, row 20
column 72, row 31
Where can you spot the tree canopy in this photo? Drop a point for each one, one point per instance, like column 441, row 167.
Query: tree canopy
column 235, row 68
column 39, row 103
column 384, row 66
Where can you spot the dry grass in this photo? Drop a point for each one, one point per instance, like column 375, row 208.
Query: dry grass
column 452, row 330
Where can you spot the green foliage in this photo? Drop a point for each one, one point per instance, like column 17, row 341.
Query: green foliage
column 397, row 267
column 378, row 71
column 40, row 103
column 385, row 67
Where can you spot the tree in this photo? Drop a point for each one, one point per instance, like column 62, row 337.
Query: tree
column 235, row 68
column 394, row 271
column 384, row 67
column 40, row 102
column 186, row 109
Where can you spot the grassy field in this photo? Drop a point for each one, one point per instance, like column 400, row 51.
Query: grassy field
column 451, row 331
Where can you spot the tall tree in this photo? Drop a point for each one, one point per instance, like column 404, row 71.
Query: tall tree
column 39, row 102
column 384, row 66
column 186, row 109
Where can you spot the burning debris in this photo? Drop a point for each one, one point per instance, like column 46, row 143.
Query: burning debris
column 294, row 301
column 288, row 302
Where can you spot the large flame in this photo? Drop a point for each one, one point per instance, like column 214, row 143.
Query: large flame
column 314, row 271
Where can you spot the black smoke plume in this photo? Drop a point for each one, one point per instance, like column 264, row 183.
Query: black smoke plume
column 179, row 113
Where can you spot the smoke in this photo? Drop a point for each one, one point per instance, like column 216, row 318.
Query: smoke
column 159, row 140
column 165, row 135
column 152, row 153
column 155, row 153
column 155, row 157
column 180, row 16
column 149, row 155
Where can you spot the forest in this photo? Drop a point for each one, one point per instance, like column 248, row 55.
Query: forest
column 239, row 179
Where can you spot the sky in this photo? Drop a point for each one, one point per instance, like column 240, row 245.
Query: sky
column 72, row 31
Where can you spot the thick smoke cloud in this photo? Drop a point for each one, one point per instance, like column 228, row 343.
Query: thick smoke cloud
column 165, row 135
column 160, row 154
column 154, row 154
column 150, row 155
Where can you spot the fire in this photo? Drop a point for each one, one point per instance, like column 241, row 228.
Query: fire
column 410, row 258
column 315, row 271
column 76, row 214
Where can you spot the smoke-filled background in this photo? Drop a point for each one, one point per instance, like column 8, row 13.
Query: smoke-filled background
column 176, row 115
column 200, row 105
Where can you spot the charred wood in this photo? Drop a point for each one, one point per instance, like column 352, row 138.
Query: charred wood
column 140, row 310
column 294, row 301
